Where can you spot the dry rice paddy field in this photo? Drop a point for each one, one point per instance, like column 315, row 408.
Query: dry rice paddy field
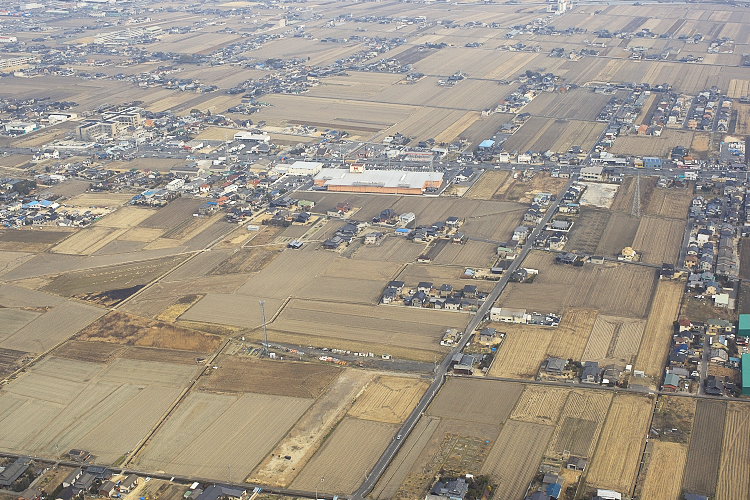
column 663, row 480
column 542, row 134
column 578, row 104
column 659, row 240
column 612, row 289
column 107, row 409
column 617, row 456
column 652, row 146
column 663, row 313
column 388, row 399
column 500, row 185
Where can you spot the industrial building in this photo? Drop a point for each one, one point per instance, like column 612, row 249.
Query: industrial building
column 744, row 326
column 378, row 181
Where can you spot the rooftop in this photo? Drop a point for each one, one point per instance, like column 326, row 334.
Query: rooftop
column 382, row 178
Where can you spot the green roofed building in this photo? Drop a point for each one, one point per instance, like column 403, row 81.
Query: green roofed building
column 746, row 374
column 744, row 329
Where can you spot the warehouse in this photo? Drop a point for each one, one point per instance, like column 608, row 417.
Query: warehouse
column 744, row 326
column 379, row 181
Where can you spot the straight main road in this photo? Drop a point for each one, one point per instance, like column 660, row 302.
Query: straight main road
column 390, row 452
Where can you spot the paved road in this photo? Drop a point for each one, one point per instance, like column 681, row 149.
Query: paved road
column 440, row 374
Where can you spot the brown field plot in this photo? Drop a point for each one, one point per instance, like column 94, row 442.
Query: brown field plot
column 542, row 134
column 664, row 475
column 30, row 240
column 221, row 436
column 389, row 399
column 580, row 423
column 623, row 201
column 491, row 401
column 105, row 408
column 705, row 450
column 514, row 458
column 614, row 339
column 655, row 343
column 88, row 240
column 391, row 328
column 673, row 203
column 122, row 328
column 293, row 379
column 734, row 472
column 488, row 184
column 515, row 359
column 247, row 260
column 471, row 253
column 99, row 200
column 652, row 146
column 617, row 457
column 742, row 126
column 578, row 104
column 291, row 454
column 612, row 289
column 659, row 239
column 524, row 191
column 540, row 405
column 356, row 443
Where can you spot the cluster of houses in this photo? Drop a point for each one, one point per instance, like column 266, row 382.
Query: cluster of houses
column 714, row 343
column 97, row 480
column 18, row 211
column 587, row 372
column 428, row 295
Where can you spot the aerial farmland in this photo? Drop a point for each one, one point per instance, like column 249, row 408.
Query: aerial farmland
column 372, row 250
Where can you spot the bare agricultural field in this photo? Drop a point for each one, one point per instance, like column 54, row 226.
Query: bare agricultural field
column 389, row 399
column 656, row 339
column 673, row 203
column 734, row 471
column 705, row 449
column 617, row 457
column 614, row 339
column 659, row 239
column 388, row 326
column 524, row 190
column 664, row 474
column 580, row 423
column 107, row 409
column 99, row 200
column 586, row 235
column 612, row 289
column 284, row 378
column 12, row 319
column 391, row 249
column 652, row 146
column 91, row 351
column 578, row 104
column 221, row 436
column 30, row 240
column 623, row 201
column 491, row 401
column 742, row 126
column 514, row 358
column 542, row 134
column 125, row 217
column 573, row 333
column 293, row 452
column 540, row 404
column 515, row 456
column 229, row 309
column 122, row 328
column 88, row 240
column 10, row 260
column 619, row 233
column 488, row 184
column 356, row 443
column 173, row 216
column 111, row 278
column 51, row 328
column 247, row 260
column 471, row 253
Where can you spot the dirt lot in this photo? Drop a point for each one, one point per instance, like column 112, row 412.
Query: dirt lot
column 291, row 454
column 283, row 378
column 515, row 457
column 659, row 328
column 612, row 289
column 673, row 419
column 705, row 450
column 665, row 469
column 659, row 240
column 358, row 443
column 122, row 328
column 62, row 404
column 734, row 472
column 389, row 399
column 247, row 426
column 524, row 191
column 617, row 457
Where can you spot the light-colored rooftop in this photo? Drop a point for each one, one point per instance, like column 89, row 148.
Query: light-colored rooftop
column 380, row 178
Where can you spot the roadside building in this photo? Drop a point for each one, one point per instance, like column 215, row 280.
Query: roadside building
column 744, row 326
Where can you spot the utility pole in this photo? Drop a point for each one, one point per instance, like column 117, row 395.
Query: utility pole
column 265, row 332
